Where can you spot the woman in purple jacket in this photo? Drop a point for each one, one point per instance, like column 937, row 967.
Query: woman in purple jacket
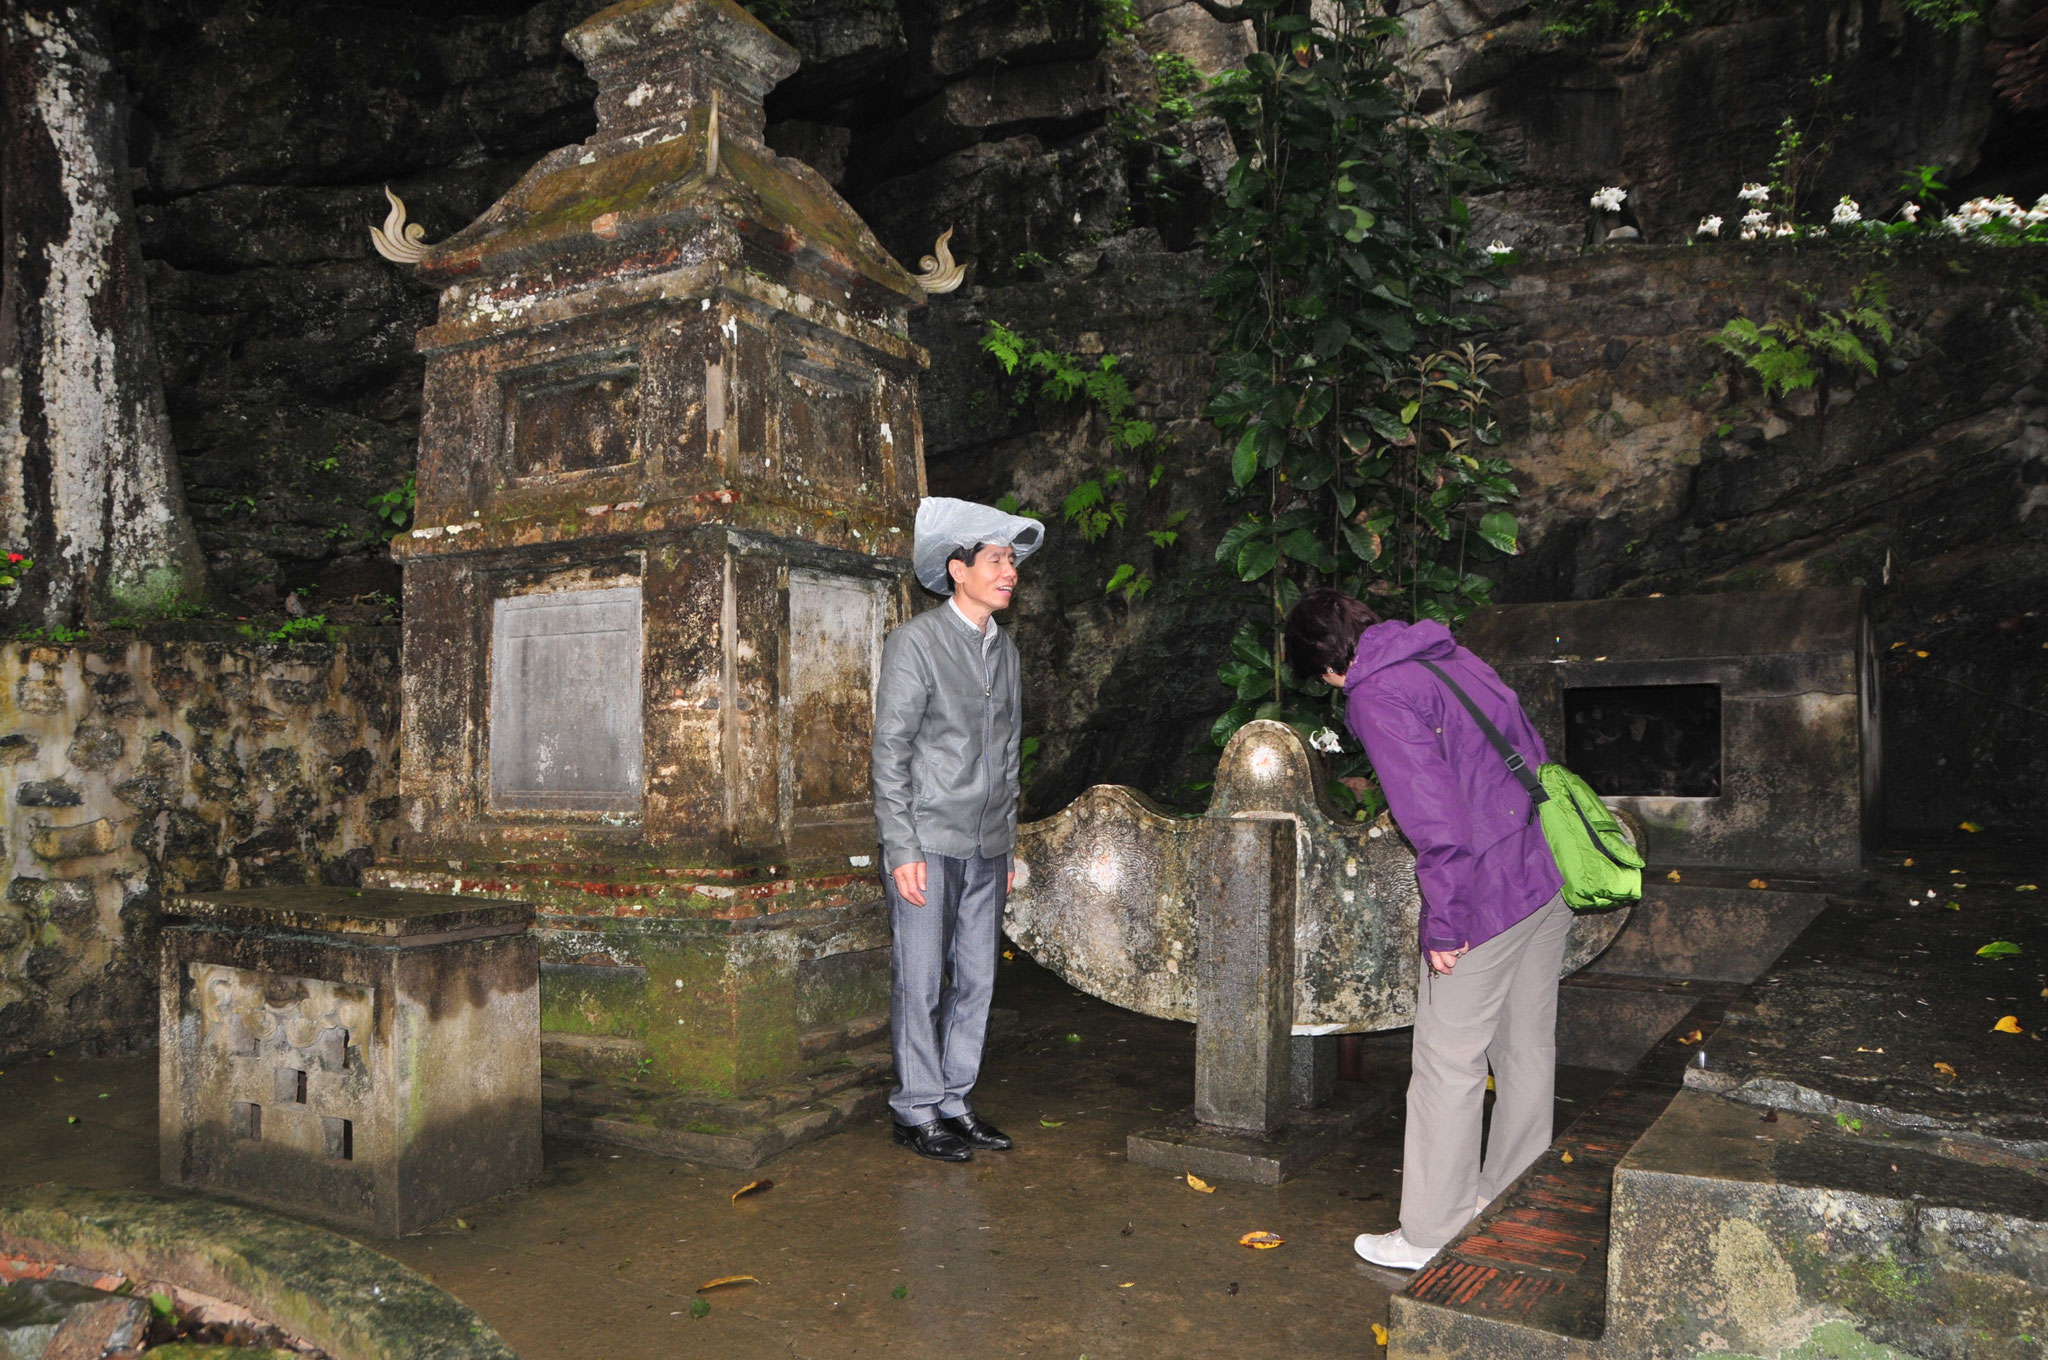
column 1493, row 913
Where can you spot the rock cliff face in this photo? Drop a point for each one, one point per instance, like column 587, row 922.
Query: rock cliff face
column 262, row 136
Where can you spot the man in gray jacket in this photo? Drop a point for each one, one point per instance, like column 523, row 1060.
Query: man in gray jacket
column 948, row 730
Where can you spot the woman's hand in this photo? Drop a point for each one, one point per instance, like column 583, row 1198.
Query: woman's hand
column 1443, row 960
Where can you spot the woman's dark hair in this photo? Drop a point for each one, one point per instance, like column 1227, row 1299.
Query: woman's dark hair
column 1322, row 632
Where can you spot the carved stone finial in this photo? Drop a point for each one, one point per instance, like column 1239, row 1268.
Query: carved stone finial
column 937, row 272
column 397, row 240
column 711, row 141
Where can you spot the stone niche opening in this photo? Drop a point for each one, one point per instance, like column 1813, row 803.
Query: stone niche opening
column 1648, row 741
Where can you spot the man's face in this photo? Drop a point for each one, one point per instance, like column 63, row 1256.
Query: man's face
column 987, row 583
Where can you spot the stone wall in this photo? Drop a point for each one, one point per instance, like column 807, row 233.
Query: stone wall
column 133, row 768
column 1652, row 464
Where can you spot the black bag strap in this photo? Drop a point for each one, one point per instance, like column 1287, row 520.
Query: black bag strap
column 1516, row 765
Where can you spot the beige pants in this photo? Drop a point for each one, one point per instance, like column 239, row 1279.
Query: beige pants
column 1497, row 1008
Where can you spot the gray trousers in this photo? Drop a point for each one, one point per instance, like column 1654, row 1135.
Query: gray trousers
column 1496, row 1008
column 945, row 960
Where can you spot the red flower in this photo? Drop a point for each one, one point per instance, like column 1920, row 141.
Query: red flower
column 14, row 557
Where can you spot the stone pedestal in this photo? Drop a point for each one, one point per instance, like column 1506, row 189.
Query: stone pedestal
column 364, row 1057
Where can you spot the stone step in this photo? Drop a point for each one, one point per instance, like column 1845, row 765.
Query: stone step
column 1528, row 1277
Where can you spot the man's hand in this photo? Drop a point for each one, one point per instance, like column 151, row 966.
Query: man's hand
column 1010, row 883
column 910, row 882
column 1440, row 960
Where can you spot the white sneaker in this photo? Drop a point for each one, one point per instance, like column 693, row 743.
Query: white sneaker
column 1392, row 1250
column 1479, row 1205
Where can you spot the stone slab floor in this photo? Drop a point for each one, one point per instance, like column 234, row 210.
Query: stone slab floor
column 1058, row 1249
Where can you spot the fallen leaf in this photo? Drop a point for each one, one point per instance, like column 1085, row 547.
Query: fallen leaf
column 1261, row 1240
column 1861, row 1049
column 1197, row 1183
column 1758, row 883
column 1566, row 1159
column 724, row 1280
column 2028, row 887
column 700, row 1308
column 1009, row 953
column 1999, row 949
column 1953, row 906
column 1674, row 877
column 1909, row 861
column 1691, row 1038
column 71, row 1119
column 2008, row 1024
column 901, row 1291
column 463, row 1224
column 1127, row 1284
column 1052, row 1123
column 1073, row 1038
column 1970, row 827
column 1379, row 1335
column 753, row 1188
column 1919, row 653
column 1945, row 1070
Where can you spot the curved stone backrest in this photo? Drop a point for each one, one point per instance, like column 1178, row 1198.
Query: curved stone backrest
column 1106, row 893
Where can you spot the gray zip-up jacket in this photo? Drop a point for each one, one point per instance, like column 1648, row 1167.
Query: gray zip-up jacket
column 949, row 725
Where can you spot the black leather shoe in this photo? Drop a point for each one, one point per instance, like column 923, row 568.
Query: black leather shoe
column 932, row 1139
column 979, row 1133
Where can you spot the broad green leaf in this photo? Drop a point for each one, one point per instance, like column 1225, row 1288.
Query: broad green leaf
column 1498, row 528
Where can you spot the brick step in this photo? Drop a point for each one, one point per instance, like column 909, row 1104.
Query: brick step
column 1529, row 1276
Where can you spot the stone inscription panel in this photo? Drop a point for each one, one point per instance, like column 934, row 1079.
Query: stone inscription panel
column 565, row 701
column 574, row 418
column 835, row 638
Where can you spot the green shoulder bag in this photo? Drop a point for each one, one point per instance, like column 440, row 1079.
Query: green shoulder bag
column 1601, row 868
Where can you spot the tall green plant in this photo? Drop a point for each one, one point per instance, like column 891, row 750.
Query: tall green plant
column 1349, row 377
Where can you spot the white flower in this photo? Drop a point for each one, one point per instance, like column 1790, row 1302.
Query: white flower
column 1709, row 226
column 1609, row 200
column 1753, row 193
column 1957, row 223
column 1755, row 220
column 1499, row 247
column 1326, row 740
column 1911, row 212
column 1785, row 229
column 2036, row 216
column 1847, row 211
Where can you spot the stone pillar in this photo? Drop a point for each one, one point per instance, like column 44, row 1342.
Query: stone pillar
column 1245, row 920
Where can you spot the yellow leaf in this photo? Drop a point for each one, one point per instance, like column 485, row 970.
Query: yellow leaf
column 1970, row 826
column 2009, row 1024
column 724, row 1280
column 464, row 1225
column 1379, row 1335
column 1674, row 877
column 2028, row 887
column 1691, row 1038
column 1758, row 883
column 1197, row 1183
column 1917, row 653
column 1861, row 1049
column 1909, row 861
column 1009, row 953
column 1127, row 1284
column 1945, row 1070
column 1566, row 1159
column 1260, row 1240
column 752, row 1188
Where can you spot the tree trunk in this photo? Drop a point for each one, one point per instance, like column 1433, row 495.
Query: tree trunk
column 89, row 485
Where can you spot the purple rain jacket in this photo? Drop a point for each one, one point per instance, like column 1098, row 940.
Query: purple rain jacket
column 1480, row 856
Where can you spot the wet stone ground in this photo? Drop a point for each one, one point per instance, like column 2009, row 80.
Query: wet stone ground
column 1060, row 1248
